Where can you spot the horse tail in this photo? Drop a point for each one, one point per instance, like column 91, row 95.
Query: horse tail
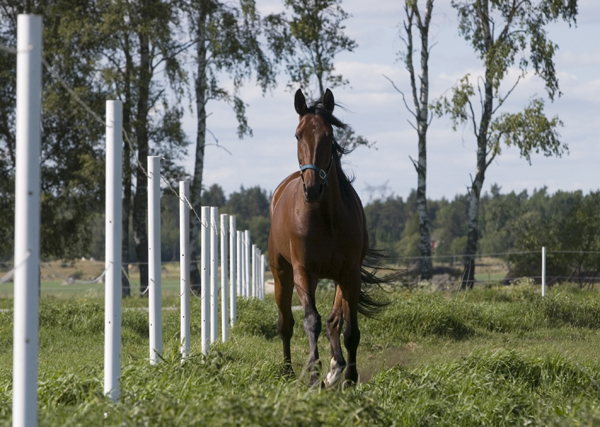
column 372, row 264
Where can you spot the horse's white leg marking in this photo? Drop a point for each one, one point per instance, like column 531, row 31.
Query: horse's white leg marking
column 334, row 375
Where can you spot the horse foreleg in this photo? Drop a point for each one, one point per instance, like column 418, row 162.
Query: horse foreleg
column 284, row 289
column 306, row 286
column 335, row 321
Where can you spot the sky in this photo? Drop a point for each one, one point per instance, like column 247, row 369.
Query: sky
column 375, row 110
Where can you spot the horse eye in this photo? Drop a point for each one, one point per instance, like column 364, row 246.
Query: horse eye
column 297, row 137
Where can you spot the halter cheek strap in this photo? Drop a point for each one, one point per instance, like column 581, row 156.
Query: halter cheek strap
column 322, row 174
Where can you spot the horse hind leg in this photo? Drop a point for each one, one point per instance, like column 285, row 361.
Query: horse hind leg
column 335, row 322
column 351, row 330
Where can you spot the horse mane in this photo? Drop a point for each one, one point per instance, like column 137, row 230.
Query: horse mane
column 339, row 150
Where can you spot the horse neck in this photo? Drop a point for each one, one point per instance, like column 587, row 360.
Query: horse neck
column 332, row 199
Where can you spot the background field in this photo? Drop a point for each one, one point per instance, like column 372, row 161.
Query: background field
column 493, row 356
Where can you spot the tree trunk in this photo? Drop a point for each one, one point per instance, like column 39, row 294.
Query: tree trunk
column 196, row 187
column 425, row 262
column 125, row 287
column 468, row 278
column 422, row 115
column 140, row 201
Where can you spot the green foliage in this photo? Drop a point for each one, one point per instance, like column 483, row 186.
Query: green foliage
column 568, row 227
column 385, row 221
column 518, row 28
column 530, row 131
column 72, row 141
column 250, row 207
column 519, row 222
column 308, row 41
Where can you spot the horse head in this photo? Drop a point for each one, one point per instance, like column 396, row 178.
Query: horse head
column 315, row 146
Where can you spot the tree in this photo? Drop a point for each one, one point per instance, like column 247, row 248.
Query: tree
column 140, row 43
column 568, row 230
column 72, row 145
column 421, row 115
column 307, row 41
column 500, row 31
column 226, row 40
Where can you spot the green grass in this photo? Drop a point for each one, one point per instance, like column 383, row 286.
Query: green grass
column 492, row 356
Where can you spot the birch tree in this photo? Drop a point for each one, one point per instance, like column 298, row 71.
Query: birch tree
column 226, row 38
column 420, row 98
column 505, row 34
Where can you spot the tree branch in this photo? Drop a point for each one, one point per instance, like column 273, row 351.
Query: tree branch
column 501, row 100
column 401, row 93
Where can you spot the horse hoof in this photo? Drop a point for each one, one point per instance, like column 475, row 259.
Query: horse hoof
column 334, row 375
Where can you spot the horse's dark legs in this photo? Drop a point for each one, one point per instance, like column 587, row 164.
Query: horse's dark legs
column 284, row 289
column 335, row 321
column 351, row 331
column 306, row 286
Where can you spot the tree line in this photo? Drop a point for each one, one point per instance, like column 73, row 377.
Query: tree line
column 513, row 226
column 139, row 51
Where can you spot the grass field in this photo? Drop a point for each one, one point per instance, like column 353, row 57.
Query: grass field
column 491, row 356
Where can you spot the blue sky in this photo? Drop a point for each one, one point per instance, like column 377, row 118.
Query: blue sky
column 376, row 111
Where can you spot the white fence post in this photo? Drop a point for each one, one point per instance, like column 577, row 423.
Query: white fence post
column 239, row 264
column 205, row 285
column 214, row 273
column 262, row 277
column 112, row 256
column 232, row 270
column 254, row 266
column 27, row 220
column 247, row 262
column 543, row 271
column 224, row 281
column 184, row 266
column 154, row 267
column 243, row 240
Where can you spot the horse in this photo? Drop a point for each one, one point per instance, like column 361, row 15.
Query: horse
column 318, row 231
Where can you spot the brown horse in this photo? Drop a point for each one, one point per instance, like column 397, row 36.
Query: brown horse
column 318, row 231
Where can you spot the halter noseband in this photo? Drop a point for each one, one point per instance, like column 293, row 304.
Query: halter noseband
column 322, row 174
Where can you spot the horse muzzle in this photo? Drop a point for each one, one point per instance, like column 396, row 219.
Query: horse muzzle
column 313, row 193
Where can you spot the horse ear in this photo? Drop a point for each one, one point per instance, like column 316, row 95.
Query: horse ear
column 300, row 103
column 328, row 101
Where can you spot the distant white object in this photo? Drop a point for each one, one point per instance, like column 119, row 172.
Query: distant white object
column 543, row 271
